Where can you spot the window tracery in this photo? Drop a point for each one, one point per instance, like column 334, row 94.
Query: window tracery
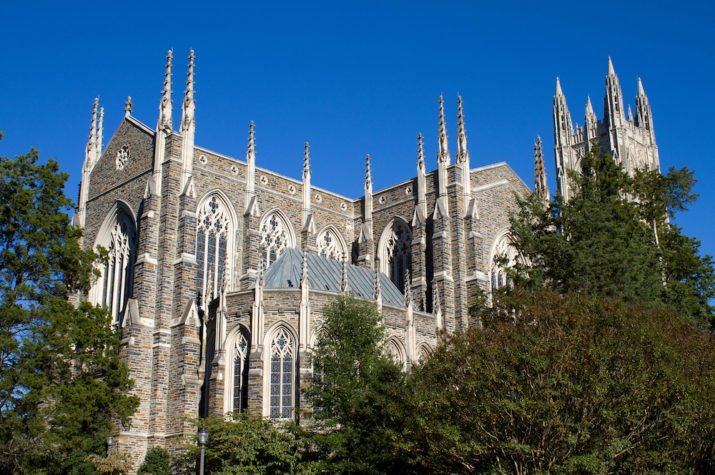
column 396, row 252
column 282, row 351
column 505, row 256
column 122, row 157
column 213, row 231
column 275, row 238
column 331, row 245
column 114, row 285
column 239, row 387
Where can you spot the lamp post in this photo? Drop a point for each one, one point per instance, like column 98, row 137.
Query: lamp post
column 203, row 437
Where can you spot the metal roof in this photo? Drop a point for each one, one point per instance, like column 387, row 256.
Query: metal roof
column 325, row 273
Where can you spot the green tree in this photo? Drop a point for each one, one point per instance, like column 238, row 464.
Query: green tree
column 246, row 444
column 156, row 462
column 61, row 379
column 357, row 392
column 566, row 383
column 614, row 238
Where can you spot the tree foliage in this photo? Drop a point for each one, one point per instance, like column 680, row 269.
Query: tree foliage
column 156, row 462
column 614, row 237
column 357, row 391
column 569, row 383
column 61, row 380
column 244, row 444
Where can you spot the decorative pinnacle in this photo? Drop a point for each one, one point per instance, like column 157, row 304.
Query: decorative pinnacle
column 611, row 70
column 559, row 92
column 251, row 148
column 538, row 154
column 92, row 142
column 190, row 73
column 462, row 153
column 259, row 272
column 306, row 161
column 368, row 173
column 540, row 185
column 420, row 153
column 165, row 112
column 187, row 116
column 408, row 289
column 304, row 271
column 589, row 107
column 128, row 107
column 443, row 154
column 100, row 131
column 344, row 286
column 641, row 91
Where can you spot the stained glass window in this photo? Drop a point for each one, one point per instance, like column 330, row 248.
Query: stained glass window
column 282, row 351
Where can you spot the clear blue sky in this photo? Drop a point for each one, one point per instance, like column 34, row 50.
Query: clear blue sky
column 361, row 77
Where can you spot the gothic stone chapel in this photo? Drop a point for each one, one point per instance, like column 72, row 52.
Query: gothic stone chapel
column 218, row 270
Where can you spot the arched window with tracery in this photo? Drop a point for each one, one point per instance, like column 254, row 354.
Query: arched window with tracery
column 214, row 229
column 282, row 367
column 397, row 353
column 113, row 288
column 396, row 251
column 331, row 245
column 504, row 256
column 276, row 236
column 237, row 386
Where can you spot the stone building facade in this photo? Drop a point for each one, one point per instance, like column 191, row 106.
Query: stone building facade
column 219, row 270
column 631, row 140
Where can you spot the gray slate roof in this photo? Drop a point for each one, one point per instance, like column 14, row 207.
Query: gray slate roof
column 325, row 274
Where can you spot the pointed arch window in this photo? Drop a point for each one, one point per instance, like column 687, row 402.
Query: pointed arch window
column 505, row 256
column 396, row 252
column 213, row 237
column 113, row 288
column 276, row 236
column 282, row 351
column 396, row 353
column 238, row 382
column 331, row 245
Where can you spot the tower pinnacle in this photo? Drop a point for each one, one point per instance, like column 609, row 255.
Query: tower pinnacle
column 541, row 187
column 128, row 107
column 189, row 106
column 462, row 152
column 368, row 174
column 92, row 139
column 100, row 132
column 306, row 162
column 165, row 108
column 188, row 127
column 443, row 154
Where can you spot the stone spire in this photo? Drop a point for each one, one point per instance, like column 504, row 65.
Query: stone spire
column 188, row 125
column 563, row 133
column 368, row 199
column 165, row 107
column 443, row 153
column 128, row 107
column 344, row 284
column 163, row 127
column 643, row 112
column 442, row 163
column 613, row 101
column 251, row 204
column 90, row 157
column 306, row 184
column 421, row 178
column 463, row 154
column 541, row 186
column 100, row 132
column 91, row 152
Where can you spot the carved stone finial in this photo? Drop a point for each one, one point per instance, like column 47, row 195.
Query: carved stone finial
column 128, row 107
column 443, row 153
column 306, row 161
column 420, row 153
column 368, row 173
column 540, row 184
column 462, row 152
column 165, row 107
